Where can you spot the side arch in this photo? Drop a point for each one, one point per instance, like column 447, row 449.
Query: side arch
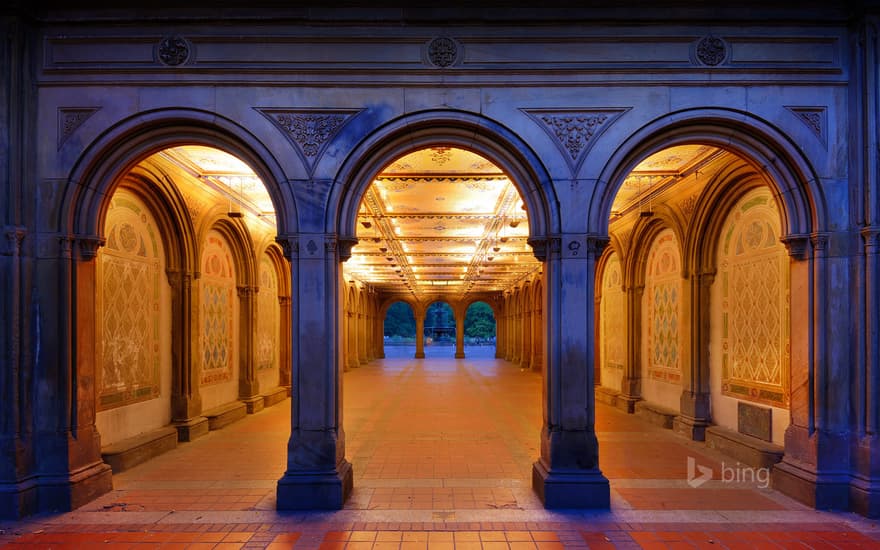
column 795, row 184
column 128, row 142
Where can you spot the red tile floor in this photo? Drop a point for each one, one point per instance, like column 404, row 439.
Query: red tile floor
column 442, row 452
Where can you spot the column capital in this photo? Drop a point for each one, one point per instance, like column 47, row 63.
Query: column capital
column 89, row 245
column 290, row 245
column 246, row 291
column 871, row 236
column 797, row 245
column 14, row 237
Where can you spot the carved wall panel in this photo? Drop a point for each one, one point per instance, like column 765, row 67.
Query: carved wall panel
column 217, row 310
column 753, row 273
column 129, row 267
column 613, row 335
column 663, row 292
column 267, row 317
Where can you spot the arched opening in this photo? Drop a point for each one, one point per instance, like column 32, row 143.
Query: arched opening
column 480, row 327
column 399, row 330
column 439, row 332
column 693, row 309
column 192, row 303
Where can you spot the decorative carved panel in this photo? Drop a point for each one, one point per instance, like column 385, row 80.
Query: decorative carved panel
column 663, row 289
column 613, row 318
column 267, row 316
column 69, row 119
column 129, row 269
column 309, row 131
column 574, row 132
column 218, row 293
column 753, row 269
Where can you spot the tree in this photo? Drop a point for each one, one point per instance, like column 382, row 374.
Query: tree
column 400, row 321
column 479, row 321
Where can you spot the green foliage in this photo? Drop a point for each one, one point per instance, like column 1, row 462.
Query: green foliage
column 479, row 321
column 400, row 321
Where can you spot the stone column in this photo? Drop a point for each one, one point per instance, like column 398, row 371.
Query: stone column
column 516, row 332
column 865, row 485
column 186, row 399
column 538, row 334
column 695, row 412
column 248, row 385
column 69, row 468
column 525, row 356
column 420, row 334
column 284, row 340
column 597, row 321
column 459, row 333
column 362, row 337
column 351, row 357
column 17, row 497
column 567, row 473
column 499, row 330
column 631, row 384
column 380, row 335
column 317, row 475
column 815, row 466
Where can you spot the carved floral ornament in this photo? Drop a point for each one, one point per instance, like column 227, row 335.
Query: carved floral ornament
column 711, row 51
column 173, row 51
column 443, row 52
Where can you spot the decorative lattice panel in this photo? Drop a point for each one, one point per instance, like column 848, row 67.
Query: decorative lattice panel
column 267, row 316
column 663, row 289
column 128, row 271
column 218, row 292
column 753, row 268
column 613, row 317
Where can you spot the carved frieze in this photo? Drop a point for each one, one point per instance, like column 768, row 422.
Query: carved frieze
column 71, row 118
column 309, row 131
column 574, row 132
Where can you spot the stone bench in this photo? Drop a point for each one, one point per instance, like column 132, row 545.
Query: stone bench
column 655, row 414
column 607, row 395
column 274, row 396
column 224, row 415
column 744, row 448
column 130, row 452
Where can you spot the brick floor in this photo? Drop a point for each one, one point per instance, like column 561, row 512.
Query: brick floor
column 442, row 451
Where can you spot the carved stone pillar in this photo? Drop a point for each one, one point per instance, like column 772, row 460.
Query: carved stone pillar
column 567, row 473
column 459, row 334
column 69, row 468
column 317, row 475
column 248, row 385
column 525, row 356
column 631, row 383
column 499, row 331
column 351, row 357
column 814, row 467
column 538, row 336
column 420, row 334
column 362, row 338
column 186, row 399
column 284, row 340
column 695, row 414
column 17, row 497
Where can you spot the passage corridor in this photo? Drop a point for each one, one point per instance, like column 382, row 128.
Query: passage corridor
column 442, row 451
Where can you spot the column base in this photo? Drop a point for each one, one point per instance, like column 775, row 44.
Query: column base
column 821, row 491
column 864, row 496
column 18, row 499
column 62, row 493
column 419, row 355
column 692, row 428
column 571, row 489
column 254, row 404
column 459, row 355
column 318, row 491
column 191, row 429
column 627, row 403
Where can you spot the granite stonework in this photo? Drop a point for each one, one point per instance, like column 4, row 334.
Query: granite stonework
column 793, row 90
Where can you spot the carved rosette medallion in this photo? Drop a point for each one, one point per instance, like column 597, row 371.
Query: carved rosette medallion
column 173, row 51
column 443, row 52
column 711, row 51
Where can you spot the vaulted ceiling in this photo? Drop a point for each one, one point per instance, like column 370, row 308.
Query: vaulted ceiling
column 440, row 221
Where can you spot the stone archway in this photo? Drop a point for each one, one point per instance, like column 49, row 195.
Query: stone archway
column 766, row 156
column 566, row 474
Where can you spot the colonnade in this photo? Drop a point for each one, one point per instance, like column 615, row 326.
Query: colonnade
column 520, row 325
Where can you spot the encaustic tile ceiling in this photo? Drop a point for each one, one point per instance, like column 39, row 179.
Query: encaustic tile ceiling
column 439, row 221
